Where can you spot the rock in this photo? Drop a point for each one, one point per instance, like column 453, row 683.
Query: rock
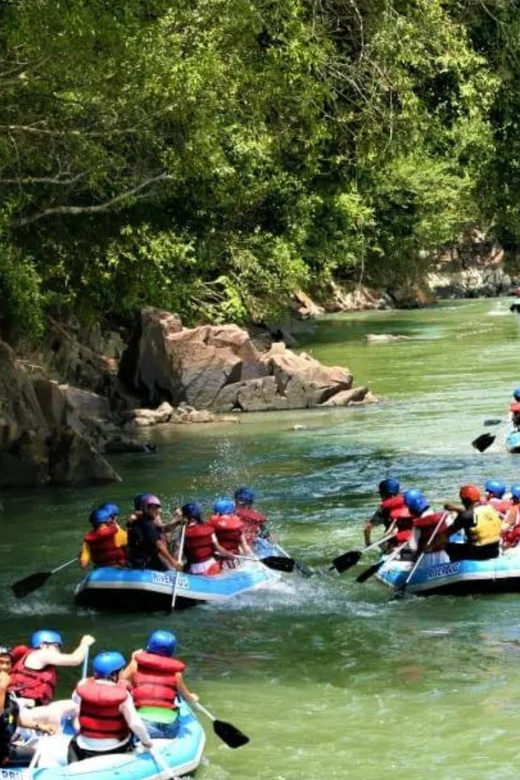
column 146, row 417
column 358, row 298
column 347, row 397
column 73, row 460
column 304, row 306
column 85, row 403
column 121, row 444
column 384, row 338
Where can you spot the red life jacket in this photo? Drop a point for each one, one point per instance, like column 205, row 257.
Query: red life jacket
column 427, row 525
column 103, row 550
column 155, row 681
column 252, row 519
column 198, row 545
column 228, row 530
column 99, row 714
column 37, row 684
column 403, row 523
column 499, row 504
column 515, row 407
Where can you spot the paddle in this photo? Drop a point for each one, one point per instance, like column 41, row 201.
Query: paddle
column 401, row 590
column 276, row 562
column 493, row 421
column 162, row 765
column 485, row 440
column 179, row 559
column 348, row 559
column 301, row 567
column 233, row 737
column 367, row 573
column 31, row 583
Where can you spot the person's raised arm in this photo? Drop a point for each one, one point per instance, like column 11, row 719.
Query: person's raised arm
column 53, row 657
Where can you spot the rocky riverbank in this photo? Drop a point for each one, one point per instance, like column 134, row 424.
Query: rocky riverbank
column 85, row 393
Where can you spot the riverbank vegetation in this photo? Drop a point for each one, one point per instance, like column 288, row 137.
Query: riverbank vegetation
column 210, row 157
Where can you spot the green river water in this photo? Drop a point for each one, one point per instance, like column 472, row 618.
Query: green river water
column 327, row 677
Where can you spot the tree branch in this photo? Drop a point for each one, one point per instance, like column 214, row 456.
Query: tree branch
column 100, row 208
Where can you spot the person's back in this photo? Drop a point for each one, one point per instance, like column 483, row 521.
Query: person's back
column 106, row 713
column 481, row 524
column 156, row 678
column 200, row 542
column 106, row 544
column 253, row 520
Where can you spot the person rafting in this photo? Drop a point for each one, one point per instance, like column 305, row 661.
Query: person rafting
column 147, row 549
column 13, row 748
column 495, row 491
column 481, row 524
column 515, row 409
column 430, row 531
column 34, row 676
column 511, row 521
column 200, row 542
column 105, row 712
column 253, row 520
column 229, row 530
column 391, row 501
column 155, row 676
column 106, row 544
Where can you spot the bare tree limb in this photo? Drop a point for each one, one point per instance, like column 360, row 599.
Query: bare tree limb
column 98, row 209
column 58, row 179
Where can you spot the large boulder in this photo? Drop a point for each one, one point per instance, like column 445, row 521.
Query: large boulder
column 42, row 438
column 220, row 368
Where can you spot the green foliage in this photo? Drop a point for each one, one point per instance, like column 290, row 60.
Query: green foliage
column 212, row 156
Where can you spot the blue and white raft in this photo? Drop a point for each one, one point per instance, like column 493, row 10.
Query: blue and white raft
column 181, row 756
column 512, row 441
column 456, row 578
column 135, row 589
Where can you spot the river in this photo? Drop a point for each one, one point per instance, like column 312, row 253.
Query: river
column 328, row 677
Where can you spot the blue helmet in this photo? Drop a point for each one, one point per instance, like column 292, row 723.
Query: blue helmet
column 99, row 516
column 162, row 643
column 515, row 490
column 245, row 495
column 224, row 506
column 389, row 487
column 107, row 663
column 138, row 500
column 410, row 493
column 192, row 509
column 112, row 509
column 495, row 487
column 417, row 504
column 44, row 637
column 516, row 393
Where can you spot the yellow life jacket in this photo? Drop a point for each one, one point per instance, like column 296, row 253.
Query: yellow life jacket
column 487, row 526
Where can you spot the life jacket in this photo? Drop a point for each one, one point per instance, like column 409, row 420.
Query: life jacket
column 389, row 505
column 403, row 524
column 155, row 681
column 427, row 524
column 228, row 530
column 8, row 725
column 198, row 546
column 37, row 684
column 515, row 407
column 502, row 506
column 102, row 546
column 252, row 520
column 99, row 714
column 487, row 525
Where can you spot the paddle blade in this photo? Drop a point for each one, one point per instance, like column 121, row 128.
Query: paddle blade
column 367, row 573
column 482, row 442
column 278, row 563
column 233, row 737
column 493, row 421
column 343, row 562
column 23, row 587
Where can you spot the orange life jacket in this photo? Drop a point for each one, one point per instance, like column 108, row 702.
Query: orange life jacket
column 102, row 546
column 37, row 684
column 99, row 713
column 155, row 681
column 198, row 545
column 228, row 530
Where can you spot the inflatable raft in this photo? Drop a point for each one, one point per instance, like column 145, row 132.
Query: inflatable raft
column 456, row 578
column 135, row 589
column 512, row 441
column 181, row 756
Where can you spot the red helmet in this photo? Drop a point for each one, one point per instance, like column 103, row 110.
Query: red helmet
column 470, row 493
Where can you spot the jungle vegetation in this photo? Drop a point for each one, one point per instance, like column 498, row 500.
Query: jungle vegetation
column 211, row 156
